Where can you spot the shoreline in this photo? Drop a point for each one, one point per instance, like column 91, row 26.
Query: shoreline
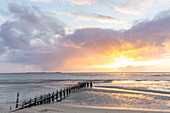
column 60, row 108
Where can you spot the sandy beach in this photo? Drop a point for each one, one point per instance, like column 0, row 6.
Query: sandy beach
column 57, row 108
column 106, row 96
column 4, row 109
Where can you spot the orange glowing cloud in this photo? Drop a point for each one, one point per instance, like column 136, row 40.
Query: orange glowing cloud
column 104, row 50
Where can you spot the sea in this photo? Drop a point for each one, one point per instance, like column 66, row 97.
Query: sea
column 148, row 91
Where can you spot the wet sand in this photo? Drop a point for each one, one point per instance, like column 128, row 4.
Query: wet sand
column 58, row 108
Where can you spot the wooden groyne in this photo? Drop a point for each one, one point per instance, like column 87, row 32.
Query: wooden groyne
column 55, row 96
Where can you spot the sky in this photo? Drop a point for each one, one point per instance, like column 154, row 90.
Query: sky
column 84, row 36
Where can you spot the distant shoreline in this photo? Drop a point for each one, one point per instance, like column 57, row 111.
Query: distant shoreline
column 71, row 72
column 33, row 73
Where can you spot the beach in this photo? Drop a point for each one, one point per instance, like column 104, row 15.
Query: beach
column 111, row 92
column 57, row 108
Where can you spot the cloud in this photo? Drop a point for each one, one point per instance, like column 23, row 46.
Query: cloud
column 35, row 39
column 81, row 2
column 134, row 7
column 80, row 27
column 92, row 17
column 30, row 36
column 3, row 18
column 48, row 1
column 127, row 9
column 145, row 41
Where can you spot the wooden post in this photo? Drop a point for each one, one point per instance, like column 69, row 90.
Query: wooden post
column 73, row 88
column 56, row 95
column 38, row 100
column 30, row 103
column 87, row 84
column 64, row 93
column 17, row 100
column 67, row 91
column 60, row 94
column 35, row 101
column 91, row 84
column 23, row 103
column 44, row 99
column 81, row 85
column 49, row 98
column 53, row 96
column 41, row 99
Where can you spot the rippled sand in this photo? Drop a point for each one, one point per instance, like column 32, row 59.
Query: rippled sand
column 57, row 108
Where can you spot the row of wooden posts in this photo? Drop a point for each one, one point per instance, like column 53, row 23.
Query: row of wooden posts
column 56, row 96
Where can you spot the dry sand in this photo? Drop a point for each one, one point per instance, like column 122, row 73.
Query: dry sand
column 57, row 108
column 4, row 109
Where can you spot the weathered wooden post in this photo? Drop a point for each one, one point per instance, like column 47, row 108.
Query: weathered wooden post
column 56, row 96
column 64, row 94
column 44, row 99
column 81, row 85
column 30, row 103
column 67, row 91
column 73, row 88
column 41, row 99
column 23, row 105
column 49, row 98
column 76, row 87
column 87, row 84
column 53, row 96
column 60, row 94
column 91, row 84
column 17, row 100
column 35, row 101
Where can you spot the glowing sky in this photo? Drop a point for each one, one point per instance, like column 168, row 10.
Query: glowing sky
column 85, row 35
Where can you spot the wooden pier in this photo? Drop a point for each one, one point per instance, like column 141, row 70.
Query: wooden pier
column 55, row 96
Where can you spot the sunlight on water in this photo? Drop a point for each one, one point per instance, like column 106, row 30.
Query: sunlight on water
column 133, row 91
column 133, row 95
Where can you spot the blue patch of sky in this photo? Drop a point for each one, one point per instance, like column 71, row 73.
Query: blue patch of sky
column 156, row 9
column 97, row 8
